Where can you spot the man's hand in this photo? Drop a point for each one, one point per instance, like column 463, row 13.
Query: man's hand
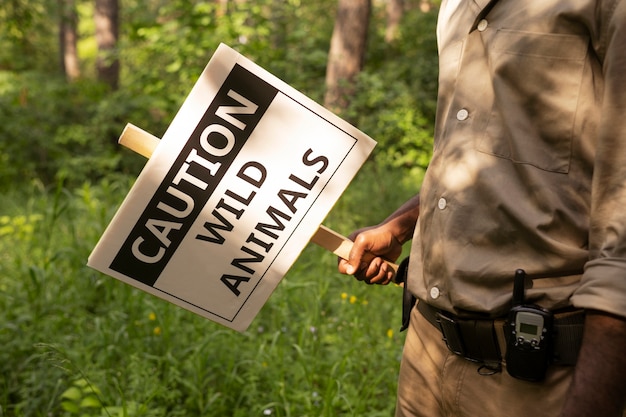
column 372, row 246
column 599, row 385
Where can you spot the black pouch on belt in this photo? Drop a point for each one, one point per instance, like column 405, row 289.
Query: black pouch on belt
column 408, row 299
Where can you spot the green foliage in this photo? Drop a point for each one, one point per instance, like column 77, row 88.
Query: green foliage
column 80, row 399
column 52, row 129
column 27, row 40
column 77, row 343
column 168, row 45
column 396, row 98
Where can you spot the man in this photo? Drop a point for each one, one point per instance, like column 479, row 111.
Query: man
column 528, row 172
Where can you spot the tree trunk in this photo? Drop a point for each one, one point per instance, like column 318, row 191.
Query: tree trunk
column 222, row 7
column 68, row 39
column 347, row 52
column 395, row 10
column 107, row 65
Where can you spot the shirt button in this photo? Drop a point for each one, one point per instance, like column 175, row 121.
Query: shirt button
column 434, row 293
column 442, row 203
column 482, row 25
column 462, row 115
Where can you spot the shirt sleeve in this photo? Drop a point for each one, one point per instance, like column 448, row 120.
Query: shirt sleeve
column 603, row 285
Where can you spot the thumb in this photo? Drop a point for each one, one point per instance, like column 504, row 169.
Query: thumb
column 355, row 258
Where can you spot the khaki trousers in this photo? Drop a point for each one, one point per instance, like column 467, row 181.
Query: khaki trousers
column 434, row 382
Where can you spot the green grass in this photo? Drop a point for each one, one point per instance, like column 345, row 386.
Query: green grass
column 78, row 343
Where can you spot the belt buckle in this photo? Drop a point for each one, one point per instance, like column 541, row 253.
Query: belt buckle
column 451, row 334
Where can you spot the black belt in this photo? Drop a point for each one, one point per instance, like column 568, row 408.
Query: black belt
column 484, row 341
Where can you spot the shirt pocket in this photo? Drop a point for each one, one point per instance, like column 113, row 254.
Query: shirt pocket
column 536, row 83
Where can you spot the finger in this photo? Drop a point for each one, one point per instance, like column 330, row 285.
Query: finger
column 373, row 269
column 379, row 272
column 355, row 258
column 386, row 279
column 343, row 266
column 387, row 275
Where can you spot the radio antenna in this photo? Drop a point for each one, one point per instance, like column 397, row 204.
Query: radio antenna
column 518, row 287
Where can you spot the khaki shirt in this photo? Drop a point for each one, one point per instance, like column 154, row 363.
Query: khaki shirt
column 529, row 160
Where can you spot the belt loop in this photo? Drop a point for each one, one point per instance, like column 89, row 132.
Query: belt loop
column 451, row 334
column 498, row 326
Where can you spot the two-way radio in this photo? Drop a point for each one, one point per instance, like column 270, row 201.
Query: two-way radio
column 529, row 336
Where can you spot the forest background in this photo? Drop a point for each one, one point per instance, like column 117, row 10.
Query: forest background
column 77, row 343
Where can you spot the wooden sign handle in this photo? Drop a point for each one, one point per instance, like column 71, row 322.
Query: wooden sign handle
column 144, row 143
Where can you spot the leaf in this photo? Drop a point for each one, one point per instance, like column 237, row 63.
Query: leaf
column 90, row 401
column 114, row 411
column 72, row 393
column 70, row 407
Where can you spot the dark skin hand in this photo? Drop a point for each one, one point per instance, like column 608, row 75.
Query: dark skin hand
column 599, row 384
column 373, row 245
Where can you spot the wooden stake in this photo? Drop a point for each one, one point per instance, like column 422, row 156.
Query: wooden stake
column 138, row 140
column 144, row 144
